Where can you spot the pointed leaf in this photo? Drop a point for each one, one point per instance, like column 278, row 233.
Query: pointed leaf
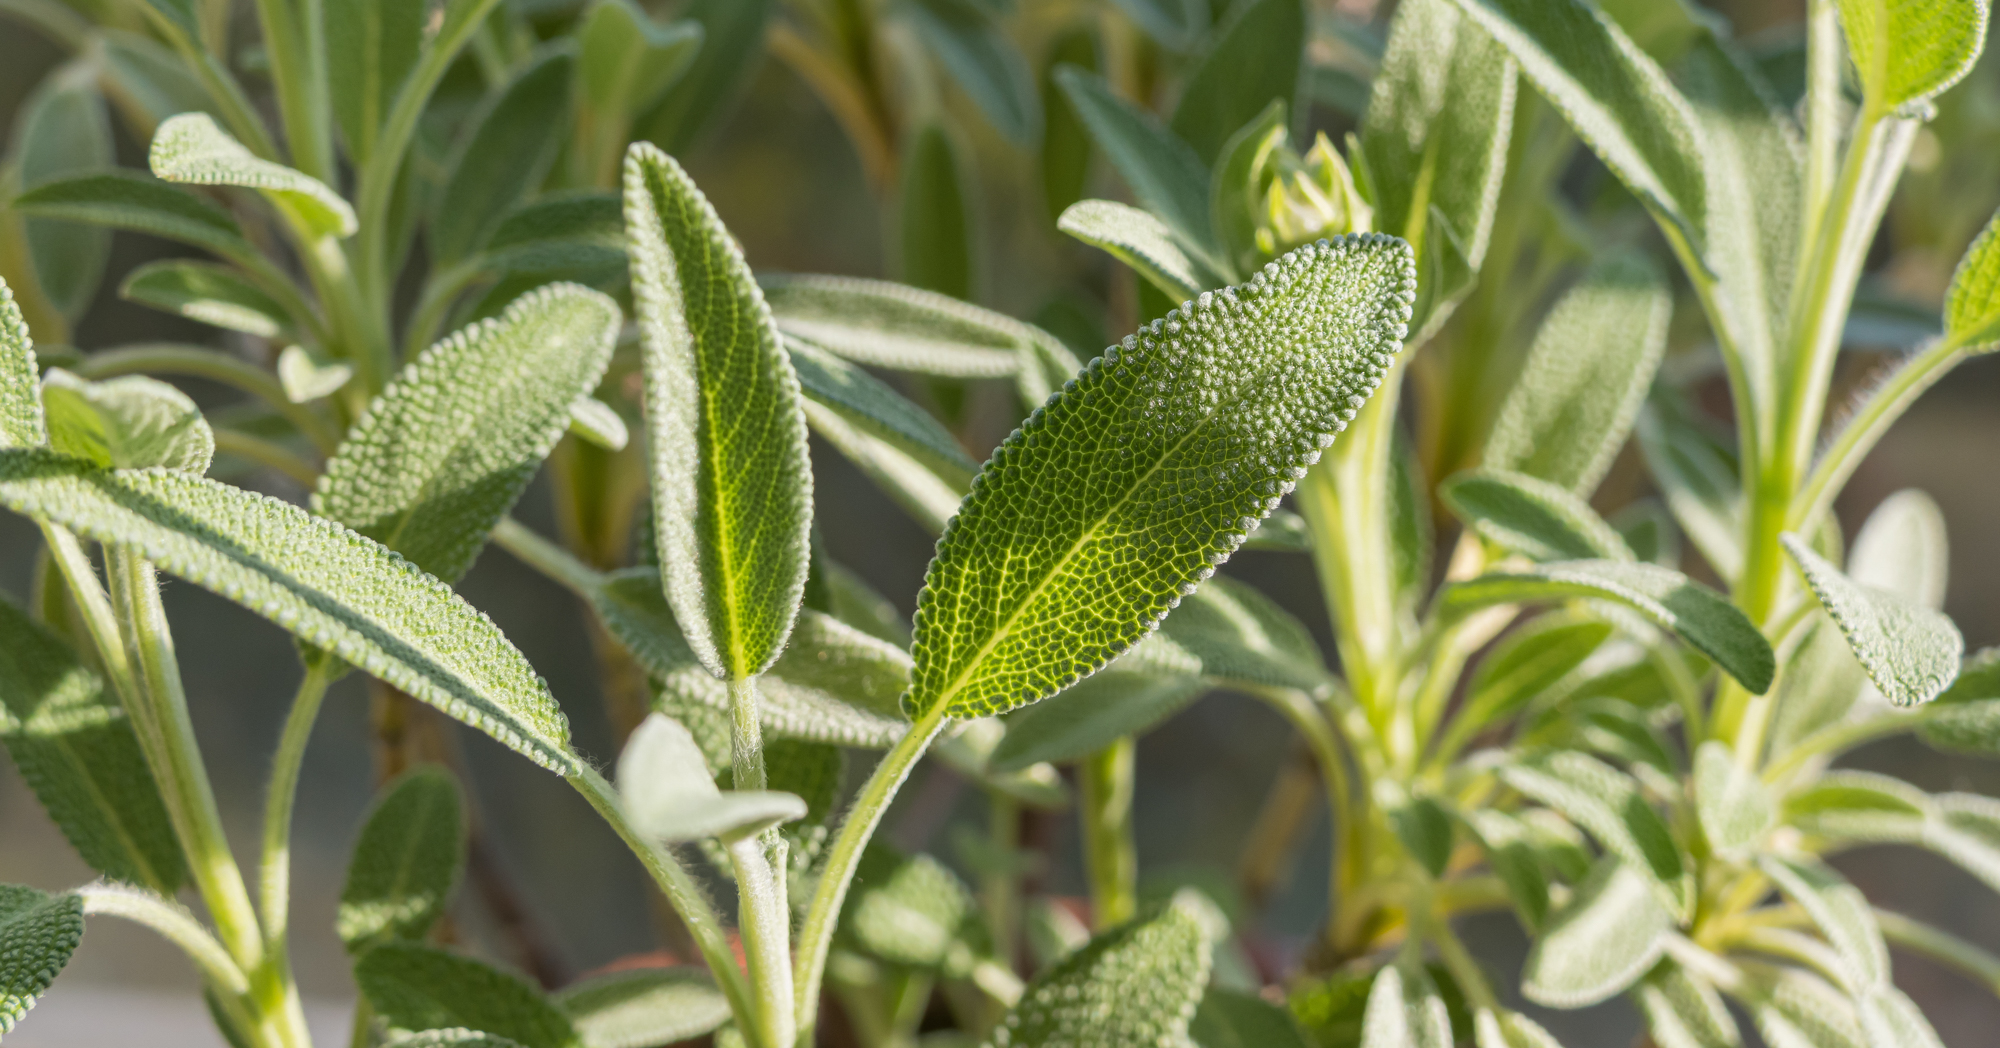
column 1168, row 178
column 599, row 423
column 644, row 1008
column 1797, row 1009
column 21, row 422
column 895, row 326
column 1910, row 652
column 1683, row 1011
column 1532, row 516
column 935, row 216
column 130, row 200
column 443, row 453
column 1891, row 1020
column 1234, row 1019
column 868, row 404
column 323, row 583
column 628, row 60
column 1255, row 58
column 209, row 293
column 1405, row 1011
column 1972, row 305
column 983, row 62
column 1090, row 715
column 1523, row 666
column 1607, row 803
column 190, row 148
column 38, row 933
column 1966, row 718
column 1818, row 687
column 76, row 749
column 371, row 46
column 1510, row 1030
column 306, row 377
column 406, row 862
column 1585, row 377
column 1906, row 52
column 61, row 131
column 132, row 422
column 1138, row 983
column 506, row 155
column 1142, row 242
column 732, row 483
column 417, row 987
column 1236, row 635
column 1901, row 550
column 1730, row 800
column 1842, row 915
column 913, row 911
column 667, row 790
column 1610, row 933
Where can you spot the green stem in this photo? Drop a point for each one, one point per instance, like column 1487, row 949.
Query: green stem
column 547, row 558
column 361, row 1028
column 1824, row 48
column 1846, row 736
column 816, row 935
column 298, row 74
column 763, row 914
column 1105, row 780
column 1323, row 740
column 266, row 453
column 274, row 884
column 1463, row 968
column 746, row 736
column 173, row 923
column 94, row 605
column 1000, row 889
column 222, row 87
column 168, row 358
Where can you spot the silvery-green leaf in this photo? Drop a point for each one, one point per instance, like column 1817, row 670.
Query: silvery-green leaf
column 1092, row 714
column 62, row 130
column 1405, row 1011
column 1906, row 52
column 75, row 748
column 1610, row 728
column 418, row 987
column 983, row 61
column 1142, row 242
column 870, row 405
column 1177, row 24
column 1510, row 1030
column 895, row 326
column 446, row 449
column 371, row 46
column 38, row 932
column 324, row 584
column 1138, row 983
column 129, row 200
column 212, row 294
column 1856, row 805
column 306, row 376
column 854, row 602
column 1966, row 718
column 599, row 423
column 455, row 1037
column 132, row 422
column 1168, row 178
column 1278, row 365
column 1234, row 1019
column 1283, row 531
column 665, row 785
column 1697, row 473
column 1972, row 305
column 191, row 148
column 1240, row 636
column 1607, row 803
column 1821, row 681
column 935, row 215
column 1910, row 652
column 913, row 911
column 969, row 750
column 1608, row 935
column 732, row 483
column 1684, row 1011
column 506, row 154
column 929, row 498
column 644, row 1008
column 1698, row 614
column 1797, row 1009
column 627, row 59
column 1531, row 516
column 1512, row 853
column 1421, row 823
column 405, row 863
column 1254, row 57
column 1902, row 550
column 1891, row 1020
column 1842, row 915
column 1730, row 800
column 21, row 421
column 1585, row 377
column 1524, row 665
column 732, row 42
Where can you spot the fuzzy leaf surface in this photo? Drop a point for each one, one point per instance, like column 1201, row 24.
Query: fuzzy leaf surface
column 911, row 910
column 1607, row 804
column 130, row 200
column 212, row 294
column 324, row 584
column 1142, row 242
column 1684, row 1011
column 406, row 862
column 190, row 148
column 1138, row 983
column 1610, row 933
column 38, row 932
column 644, row 1008
column 871, row 405
column 1972, row 305
column 1901, row 549
column 1842, row 915
column 1909, row 50
column 1189, row 433
column 888, row 325
column 1532, row 516
column 132, row 422
column 21, row 421
column 1255, row 58
column 1405, row 1011
column 1164, row 173
column 417, row 987
column 732, row 483
column 1910, row 652
column 505, row 156
column 1730, row 800
column 665, row 784
column 371, row 46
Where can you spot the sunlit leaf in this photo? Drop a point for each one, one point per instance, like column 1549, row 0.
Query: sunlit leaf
column 1405, row 1011
column 1909, row 51
column 212, row 294
column 1841, row 913
column 1532, row 516
column 405, row 863
column 1601, row 942
column 1510, row 1030
column 1168, row 178
column 417, row 987
column 1684, row 1011
column 1142, row 242
column 896, row 326
column 21, row 421
column 1608, row 804
column 1901, row 549
column 133, row 422
column 1138, row 983
column 1966, row 718
column 1972, row 305
column 191, row 148
column 670, row 796
column 644, row 1008
column 1910, row 652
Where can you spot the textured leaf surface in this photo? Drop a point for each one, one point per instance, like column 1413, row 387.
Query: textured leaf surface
column 872, row 406
column 209, row 293
column 191, row 148
column 1532, row 516
column 1607, row 803
column 76, row 750
column 1585, row 377
column 1842, row 915
column 983, row 61
column 21, row 421
column 1910, row 652
column 371, row 46
column 1972, row 306
column 1138, row 983
column 1189, row 433
column 1405, row 1011
column 1608, row 936
column 450, row 444
column 1909, row 50
column 895, row 326
column 325, row 584
column 406, row 862
column 732, row 484
column 416, row 987
column 1090, row 715
column 129, row 200
column 1142, row 242
column 306, row 376
column 38, row 932
column 668, row 792
column 1902, row 550
column 1254, row 59
column 133, row 422
column 1730, row 800
column 1166, row 176
column 62, row 130
column 1795, row 1007
column 506, row 155
column 644, row 1008
column 913, row 911
column 1683, row 1011
column 1967, row 716
column 1820, row 684
column 1698, row 614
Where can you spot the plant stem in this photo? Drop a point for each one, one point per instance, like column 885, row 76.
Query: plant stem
column 546, row 557
column 266, row 453
column 1856, row 439
column 175, row 924
column 1323, row 740
column 1943, row 947
column 174, row 359
column 1000, row 890
column 1824, row 48
column 1105, row 780
column 746, row 736
column 298, row 74
column 1846, row 736
column 763, row 914
column 274, row 884
column 816, row 935
column 1463, row 968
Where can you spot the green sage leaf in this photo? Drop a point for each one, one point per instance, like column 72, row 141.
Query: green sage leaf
column 130, row 200
column 870, row 405
column 732, row 45
column 1238, row 636
column 456, row 1037
column 446, row 449
column 1065, row 157
column 212, row 294
column 506, row 155
column 1090, row 715
column 1697, row 472
column 1511, row 849
column 1966, row 718
column 1168, row 178
column 935, row 216
column 1842, row 915
column 1910, row 652
column 983, row 61
column 1609, row 935
column 644, row 1008
column 1906, row 52
column 732, row 483
column 1532, row 516
column 1902, row 550
column 1234, row 1019
column 666, row 788
column 1142, row 242
column 913, row 911
column 1684, row 1011
column 627, row 60
column 1523, row 666
column 1607, row 804
column 22, row 424
column 1891, row 1020
column 1506, row 1029
column 1730, row 800
column 306, row 376
column 1795, row 1007
column 191, row 148
column 133, row 422
column 417, row 987
column 898, row 327
column 38, row 932
column 1255, row 58
column 371, row 46
column 405, row 863
column 1972, row 305
column 1405, row 1011
column 599, row 423
column 62, row 130
column 1138, row 983
column 1818, row 688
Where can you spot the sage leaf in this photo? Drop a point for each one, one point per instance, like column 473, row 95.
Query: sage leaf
column 1511, row 851
column 132, row 422
column 599, row 423
column 1526, row 664
column 1972, row 305
column 1255, row 57
column 130, row 200
column 456, row 1037
column 1421, row 823
column 898, row 327
column 1504, row 1029
column 1698, row 614
column 1891, row 1020
column 38, row 932
column 1168, row 178
column 446, row 449
column 935, row 215
column 190, row 148
column 417, row 987
column 1607, row 804
column 665, row 786
column 1907, row 52
column 1902, row 550
column 507, row 153
column 1841, row 913
column 148, row 82
column 1585, row 377
column 1142, row 242
column 1609, row 935
column 1966, row 718
column 1234, row 1019
column 1795, row 1007
column 75, row 748
column 627, row 60
column 324, row 584
column 1533, row 517
column 913, row 911
column 371, row 46
column 306, row 376
column 1065, row 156
column 1235, row 195
column 1697, row 472
column 1138, row 983
column 644, row 1007
column 1008, row 617
column 1405, row 1011
column 1910, row 652
column 1818, row 688
column 986, row 65
column 1730, row 800
column 1684, row 1011
column 1238, row 636
column 1860, row 806
column 22, row 424
column 732, row 40
column 1091, row 715
column 406, row 862
column 60, row 131
column 732, row 483
column 928, row 497
column 212, row 294
column 868, row 404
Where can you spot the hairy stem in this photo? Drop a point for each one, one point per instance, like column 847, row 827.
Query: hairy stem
column 763, row 913
column 298, row 73
column 1872, row 419
column 1105, row 780
column 1942, row 947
